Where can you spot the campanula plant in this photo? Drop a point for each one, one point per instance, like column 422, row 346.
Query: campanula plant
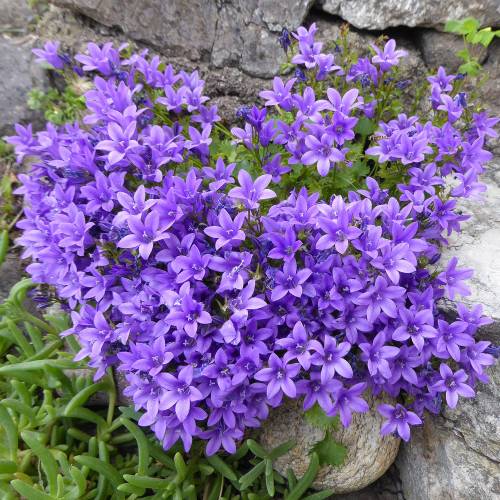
column 291, row 257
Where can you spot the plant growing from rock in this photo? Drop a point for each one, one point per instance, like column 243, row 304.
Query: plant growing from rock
column 474, row 37
column 294, row 256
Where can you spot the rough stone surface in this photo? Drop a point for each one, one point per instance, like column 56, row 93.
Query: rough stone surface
column 19, row 75
column 456, row 457
column 478, row 246
column 440, row 49
column 382, row 14
column 10, row 272
column 15, row 16
column 228, row 87
column 238, row 33
column 369, row 455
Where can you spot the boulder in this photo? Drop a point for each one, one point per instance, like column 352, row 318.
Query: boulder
column 16, row 16
column 20, row 74
column 456, row 456
column 238, row 33
column 369, row 454
column 478, row 247
column 440, row 49
column 382, row 14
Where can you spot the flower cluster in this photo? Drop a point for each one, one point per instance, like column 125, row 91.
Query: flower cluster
column 217, row 298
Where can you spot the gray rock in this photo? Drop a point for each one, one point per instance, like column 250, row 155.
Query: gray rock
column 238, row 33
column 478, row 247
column 457, row 456
column 15, row 17
column 180, row 28
column 440, row 49
column 490, row 90
column 11, row 273
column 382, row 14
column 369, row 455
column 227, row 86
column 19, row 75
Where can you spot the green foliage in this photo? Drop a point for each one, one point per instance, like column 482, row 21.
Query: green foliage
column 58, row 442
column 57, row 107
column 9, row 206
column 316, row 417
column 473, row 36
column 328, row 450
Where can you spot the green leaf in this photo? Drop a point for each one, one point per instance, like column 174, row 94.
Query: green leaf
column 219, row 465
column 471, row 68
column 484, row 37
column 281, row 449
column 470, row 25
column 316, row 417
column 49, row 464
column 27, row 491
column 365, row 126
column 250, row 477
column 4, row 245
column 452, row 26
column 329, row 451
column 306, row 480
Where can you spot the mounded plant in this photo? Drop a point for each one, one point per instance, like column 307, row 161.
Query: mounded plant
column 296, row 256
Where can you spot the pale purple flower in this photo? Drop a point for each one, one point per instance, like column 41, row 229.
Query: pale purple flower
column 398, row 421
column 453, row 385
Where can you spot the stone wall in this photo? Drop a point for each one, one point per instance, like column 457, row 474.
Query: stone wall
column 234, row 45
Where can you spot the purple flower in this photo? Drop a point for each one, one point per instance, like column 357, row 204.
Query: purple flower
column 228, row 232
column 219, row 370
column 394, row 260
column 50, row 54
column 349, row 400
column 331, row 358
column 285, row 245
column 297, row 346
column 280, row 95
column 322, row 152
column 221, row 435
column 152, row 358
column 252, row 192
column 191, row 266
column 181, row 393
column 338, row 233
column 187, row 313
column 317, row 391
column 289, row 281
column 399, row 420
column 389, row 56
column 417, row 325
column 451, row 336
column 120, row 141
column 453, row 384
column 477, row 357
column 144, row 234
column 376, row 355
column 452, row 278
column 442, row 80
column 308, row 106
column 379, row 298
column 279, row 377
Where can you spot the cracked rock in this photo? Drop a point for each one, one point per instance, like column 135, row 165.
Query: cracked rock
column 241, row 33
column 477, row 246
column 382, row 14
column 456, row 457
column 20, row 74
